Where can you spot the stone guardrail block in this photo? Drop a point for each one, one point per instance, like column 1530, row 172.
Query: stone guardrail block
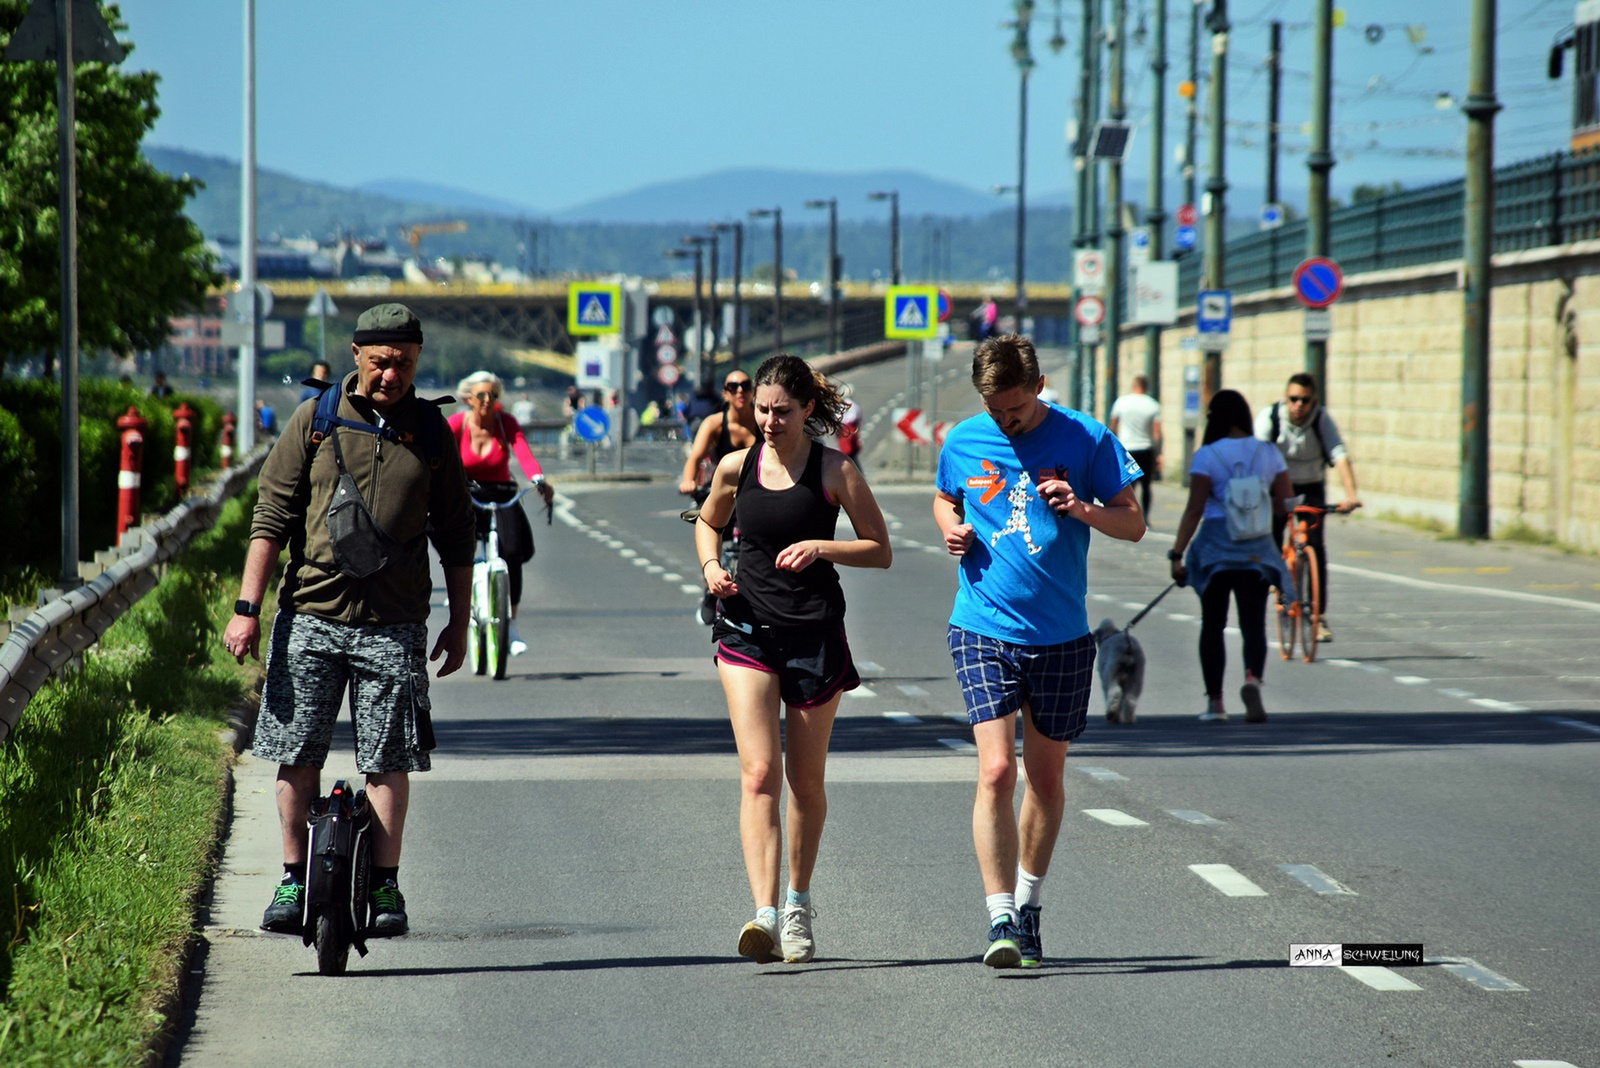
column 48, row 638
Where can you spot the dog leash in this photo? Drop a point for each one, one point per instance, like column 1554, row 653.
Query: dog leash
column 1152, row 604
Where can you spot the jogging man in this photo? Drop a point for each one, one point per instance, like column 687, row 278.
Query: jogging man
column 1016, row 500
column 1306, row 435
column 368, row 635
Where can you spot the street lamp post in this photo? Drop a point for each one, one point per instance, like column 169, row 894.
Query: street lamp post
column 1022, row 237
column 832, row 204
column 708, row 368
column 738, row 281
column 699, row 319
column 1023, row 56
column 893, row 197
column 776, row 214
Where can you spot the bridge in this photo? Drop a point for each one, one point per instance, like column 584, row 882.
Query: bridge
column 532, row 316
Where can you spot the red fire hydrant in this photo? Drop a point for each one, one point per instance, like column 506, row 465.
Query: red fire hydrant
column 226, row 451
column 128, row 471
column 183, row 423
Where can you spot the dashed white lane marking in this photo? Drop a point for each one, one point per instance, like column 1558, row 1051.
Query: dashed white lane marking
column 639, row 561
column 686, row 588
column 867, row 667
column 1377, row 977
column 1475, row 973
column 653, row 569
column 1115, row 817
column 912, row 691
column 902, row 717
column 1317, row 880
column 1465, row 695
column 1103, row 774
column 1339, row 662
column 863, row 691
column 1181, row 617
column 1499, row 706
column 1561, row 721
column 960, row 745
column 1227, row 880
column 672, row 576
column 1544, row 1064
column 1189, row 815
column 1132, row 606
column 1411, row 680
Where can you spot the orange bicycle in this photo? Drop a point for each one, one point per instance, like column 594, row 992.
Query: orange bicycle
column 1298, row 622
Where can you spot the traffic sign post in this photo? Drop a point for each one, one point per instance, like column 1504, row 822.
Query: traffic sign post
column 1089, row 270
column 911, row 312
column 1318, row 282
column 1090, row 310
column 1184, row 237
column 594, row 308
column 1186, row 215
column 913, row 425
column 1271, row 216
column 1318, row 324
column 1213, row 318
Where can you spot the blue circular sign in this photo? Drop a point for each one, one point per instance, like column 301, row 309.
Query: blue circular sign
column 1318, row 282
column 591, row 423
column 1184, row 237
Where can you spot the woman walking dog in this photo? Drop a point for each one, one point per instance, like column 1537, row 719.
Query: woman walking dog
column 779, row 636
column 1235, row 485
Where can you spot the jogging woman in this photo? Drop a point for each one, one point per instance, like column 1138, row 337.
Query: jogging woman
column 1216, row 565
column 779, row 636
column 487, row 437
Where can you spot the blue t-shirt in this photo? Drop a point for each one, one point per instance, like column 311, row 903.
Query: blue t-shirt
column 1024, row 578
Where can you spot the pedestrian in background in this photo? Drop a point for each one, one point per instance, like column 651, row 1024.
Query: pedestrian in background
column 780, row 637
column 320, row 373
column 1136, row 421
column 1019, row 631
column 1219, row 565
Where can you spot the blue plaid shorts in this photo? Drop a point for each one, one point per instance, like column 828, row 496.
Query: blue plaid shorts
column 997, row 677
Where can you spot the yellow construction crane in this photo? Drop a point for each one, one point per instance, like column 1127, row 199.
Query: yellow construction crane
column 416, row 231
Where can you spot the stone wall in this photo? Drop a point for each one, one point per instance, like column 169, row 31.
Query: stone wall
column 1394, row 385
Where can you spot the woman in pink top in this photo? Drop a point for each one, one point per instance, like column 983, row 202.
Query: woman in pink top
column 487, row 436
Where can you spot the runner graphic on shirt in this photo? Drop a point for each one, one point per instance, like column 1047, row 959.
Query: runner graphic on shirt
column 1019, row 516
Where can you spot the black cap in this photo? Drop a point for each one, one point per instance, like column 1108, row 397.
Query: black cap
column 388, row 324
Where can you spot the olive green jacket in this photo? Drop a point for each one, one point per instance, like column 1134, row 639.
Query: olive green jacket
column 410, row 502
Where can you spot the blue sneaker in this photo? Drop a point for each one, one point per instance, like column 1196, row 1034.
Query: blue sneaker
column 1003, row 951
column 1028, row 943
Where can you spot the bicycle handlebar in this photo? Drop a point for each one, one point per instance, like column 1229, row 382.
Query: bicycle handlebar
column 474, row 485
column 1319, row 509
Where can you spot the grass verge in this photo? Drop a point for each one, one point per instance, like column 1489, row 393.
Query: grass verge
column 110, row 794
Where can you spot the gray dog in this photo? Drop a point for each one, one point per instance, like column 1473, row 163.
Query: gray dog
column 1120, row 661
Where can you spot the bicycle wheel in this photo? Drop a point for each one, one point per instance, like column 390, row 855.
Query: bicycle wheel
column 333, row 945
column 1310, row 593
column 497, row 627
column 477, row 654
column 1286, row 622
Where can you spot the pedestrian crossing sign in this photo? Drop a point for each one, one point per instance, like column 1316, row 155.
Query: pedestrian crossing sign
column 911, row 312
column 593, row 308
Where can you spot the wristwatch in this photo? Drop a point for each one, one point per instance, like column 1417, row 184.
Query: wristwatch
column 246, row 608
column 1173, row 554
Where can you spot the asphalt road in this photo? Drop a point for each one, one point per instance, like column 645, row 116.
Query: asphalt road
column 575, row 884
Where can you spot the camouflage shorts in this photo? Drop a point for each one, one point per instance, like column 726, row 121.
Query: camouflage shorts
column 312, row 662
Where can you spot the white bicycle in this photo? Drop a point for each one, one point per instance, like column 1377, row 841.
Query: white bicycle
column 489, row 639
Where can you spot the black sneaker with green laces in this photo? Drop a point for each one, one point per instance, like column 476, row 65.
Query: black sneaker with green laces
column 288, row 906
column 388, row 910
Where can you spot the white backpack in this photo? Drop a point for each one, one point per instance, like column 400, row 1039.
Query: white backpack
column 1248, row 505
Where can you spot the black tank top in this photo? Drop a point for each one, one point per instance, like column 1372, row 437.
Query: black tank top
column 769, row 521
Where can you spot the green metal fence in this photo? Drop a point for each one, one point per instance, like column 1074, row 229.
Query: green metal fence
column 1551, row 200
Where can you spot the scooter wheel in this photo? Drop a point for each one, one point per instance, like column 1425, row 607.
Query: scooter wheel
column 333, row 947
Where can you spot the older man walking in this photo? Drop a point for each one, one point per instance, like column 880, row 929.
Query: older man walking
column 356, row 508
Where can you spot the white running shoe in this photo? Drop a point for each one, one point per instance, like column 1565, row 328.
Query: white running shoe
column 798, row 944
column 1213, row 715
column 518, row 646
column 759, row 941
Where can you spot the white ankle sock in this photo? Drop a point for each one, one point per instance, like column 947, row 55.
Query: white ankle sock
column 1029, row 888
column 1001, row 907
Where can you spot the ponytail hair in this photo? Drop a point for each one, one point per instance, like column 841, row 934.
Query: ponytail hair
column 796, row 378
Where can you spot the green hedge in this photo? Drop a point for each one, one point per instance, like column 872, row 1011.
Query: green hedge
column 30, row 455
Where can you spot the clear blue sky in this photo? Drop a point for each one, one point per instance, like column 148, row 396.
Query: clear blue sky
column 550, row 103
